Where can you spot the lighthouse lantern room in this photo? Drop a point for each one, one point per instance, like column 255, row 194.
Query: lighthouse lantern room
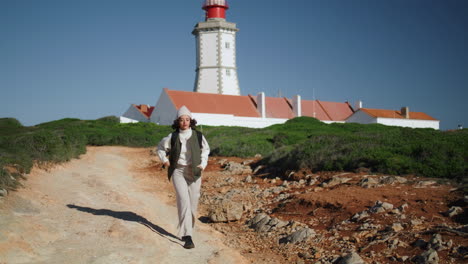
column 216, row 70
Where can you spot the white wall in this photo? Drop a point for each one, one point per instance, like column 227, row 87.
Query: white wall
column 208, row 49
column 164, row 112
column 124, row 119
column 133, row 113
column 413, row 123
column 228, row 55
column 231, row 120
column 361, row 118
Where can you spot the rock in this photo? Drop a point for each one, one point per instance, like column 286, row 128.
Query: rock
column 436, row 242
column 428, row 257
column 3, row 192
column 381, row 207
column 248, row 179
column 247, row 162
column 397, row 227
column 453, row 211
column 368, row 182
column 359, row 216
column 416, row 222
column 351, row 258
column 403, row 207
column 257, row 219
column 237, row 168
column 275, row 223
column 298, row 236
column 335, row 180
column 423, row 184
column 285, row 184
column 260, row 222
column 225, row 211
column 392, row 180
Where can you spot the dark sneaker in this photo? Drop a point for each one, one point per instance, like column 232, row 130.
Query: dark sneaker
column 188, row 242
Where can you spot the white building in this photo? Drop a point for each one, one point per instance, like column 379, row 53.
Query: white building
column 402, row 118
column 216, row 70
column 217, row 100
column 244, row 110
column 137, row 113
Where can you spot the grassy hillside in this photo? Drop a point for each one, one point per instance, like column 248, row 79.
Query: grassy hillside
column 299, row 143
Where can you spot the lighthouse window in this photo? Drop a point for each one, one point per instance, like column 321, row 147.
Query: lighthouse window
column 228, row 72
column 228, row 45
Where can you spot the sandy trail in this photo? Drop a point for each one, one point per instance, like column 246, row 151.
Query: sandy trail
column 101, row 208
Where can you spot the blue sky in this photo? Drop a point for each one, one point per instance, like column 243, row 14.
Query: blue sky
column 93, row 58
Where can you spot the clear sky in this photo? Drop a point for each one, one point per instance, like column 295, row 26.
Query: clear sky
column 93, row 58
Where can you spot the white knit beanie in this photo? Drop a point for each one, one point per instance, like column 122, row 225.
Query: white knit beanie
column 184, row 111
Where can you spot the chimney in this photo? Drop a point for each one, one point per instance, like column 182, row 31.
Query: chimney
column 405, row 112
column 261, row 104
column 358, row 105
column 296, row 104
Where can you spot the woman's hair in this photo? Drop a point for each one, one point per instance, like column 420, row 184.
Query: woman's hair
column 193, row 124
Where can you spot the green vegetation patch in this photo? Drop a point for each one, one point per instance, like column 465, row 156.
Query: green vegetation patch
column 300, row 143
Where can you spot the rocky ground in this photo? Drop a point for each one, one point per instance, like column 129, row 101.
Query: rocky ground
column 334, row 217
column 115, row 205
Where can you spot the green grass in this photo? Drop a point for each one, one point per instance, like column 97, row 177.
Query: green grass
column 300, row 143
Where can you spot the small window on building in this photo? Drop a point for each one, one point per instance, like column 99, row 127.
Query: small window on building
column 228, row 72
column 228, row 45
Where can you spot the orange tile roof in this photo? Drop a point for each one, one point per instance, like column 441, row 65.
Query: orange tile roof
column 144, row 109
column 326, row 111
column 395, row 114
column 337, row 111
column 236, row 105
column 276, row 107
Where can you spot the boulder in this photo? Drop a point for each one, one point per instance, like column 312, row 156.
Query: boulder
column 351, row 258
column 237, row 168
column 428, row 257
column 381, row 207
column 335, row 180
column 453, row 211
column 368, row 182
column 225, row 211
column 299, row 236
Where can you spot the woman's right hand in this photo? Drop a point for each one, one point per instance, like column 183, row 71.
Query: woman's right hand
column 167, row 164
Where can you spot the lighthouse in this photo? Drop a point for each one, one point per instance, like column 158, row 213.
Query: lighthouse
column 216, row 70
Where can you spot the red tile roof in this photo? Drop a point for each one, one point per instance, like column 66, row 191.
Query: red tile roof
column 326, row 111
column 276, row 107
column 236, row 105
column 145, row 110
column 395, row 114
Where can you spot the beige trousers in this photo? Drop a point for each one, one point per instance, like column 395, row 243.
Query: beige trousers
column 188, row 194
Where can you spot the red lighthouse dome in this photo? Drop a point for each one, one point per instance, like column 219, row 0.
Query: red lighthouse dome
column 215, row 8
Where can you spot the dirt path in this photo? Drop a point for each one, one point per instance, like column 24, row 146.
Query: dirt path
column 102, row 208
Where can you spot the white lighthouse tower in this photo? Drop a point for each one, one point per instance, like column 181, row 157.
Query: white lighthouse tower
column 216, row 70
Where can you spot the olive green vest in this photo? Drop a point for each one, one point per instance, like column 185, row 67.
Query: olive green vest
column 174, row 153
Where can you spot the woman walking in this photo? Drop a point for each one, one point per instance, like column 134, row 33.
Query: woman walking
column 188, row 156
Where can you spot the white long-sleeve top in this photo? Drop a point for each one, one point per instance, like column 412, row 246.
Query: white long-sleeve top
column 185, row 157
